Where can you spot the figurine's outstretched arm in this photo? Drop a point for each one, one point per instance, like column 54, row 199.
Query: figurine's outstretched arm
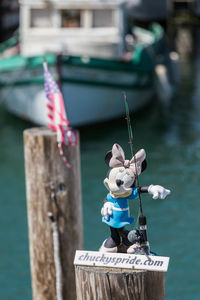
column 157, row 191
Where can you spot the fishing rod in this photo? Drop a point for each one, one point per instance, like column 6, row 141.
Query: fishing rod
column 140, row 234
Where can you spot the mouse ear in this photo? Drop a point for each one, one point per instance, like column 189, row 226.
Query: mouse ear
column 144, row 165
column 108, row 157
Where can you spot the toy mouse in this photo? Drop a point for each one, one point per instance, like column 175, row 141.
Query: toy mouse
column 121, row 184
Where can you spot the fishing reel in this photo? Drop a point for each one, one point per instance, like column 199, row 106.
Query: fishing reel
column 138, row 238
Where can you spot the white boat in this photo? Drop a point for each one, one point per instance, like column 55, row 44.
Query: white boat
column 84, row 44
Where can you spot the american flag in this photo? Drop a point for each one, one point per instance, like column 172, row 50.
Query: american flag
column 57, row 117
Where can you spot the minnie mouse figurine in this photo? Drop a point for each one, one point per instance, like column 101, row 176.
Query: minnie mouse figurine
column 120, row 181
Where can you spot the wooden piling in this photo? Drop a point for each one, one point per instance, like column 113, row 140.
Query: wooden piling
column 45, row 173
column 96, row 283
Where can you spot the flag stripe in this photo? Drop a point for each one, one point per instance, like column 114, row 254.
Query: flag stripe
column 49, row 106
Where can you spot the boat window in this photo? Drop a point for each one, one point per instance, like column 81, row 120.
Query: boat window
column 41, row 18
column 71, row 18
column 103, row 18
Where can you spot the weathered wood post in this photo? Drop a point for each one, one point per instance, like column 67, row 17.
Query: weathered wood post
column 103, row 283
column 45, row 171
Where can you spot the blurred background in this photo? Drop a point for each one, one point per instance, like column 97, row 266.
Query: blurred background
column 151, row 50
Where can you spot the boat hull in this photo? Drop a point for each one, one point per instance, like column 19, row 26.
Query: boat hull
column 84, row 104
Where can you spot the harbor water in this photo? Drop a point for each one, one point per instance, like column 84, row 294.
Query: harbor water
column 171, row 137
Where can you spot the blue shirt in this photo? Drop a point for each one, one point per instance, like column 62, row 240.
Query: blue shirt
column 120, row 216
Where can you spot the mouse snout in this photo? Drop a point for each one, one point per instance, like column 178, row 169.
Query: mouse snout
column 119, row 182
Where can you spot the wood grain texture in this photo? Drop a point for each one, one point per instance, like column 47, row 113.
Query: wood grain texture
column 95, row 283
column 44, row 167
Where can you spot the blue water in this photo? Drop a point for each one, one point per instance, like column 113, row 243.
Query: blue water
column 171, row 138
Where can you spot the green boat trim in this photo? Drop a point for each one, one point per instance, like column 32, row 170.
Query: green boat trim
column 21, row 62
column 107, row 65
column 40, row 81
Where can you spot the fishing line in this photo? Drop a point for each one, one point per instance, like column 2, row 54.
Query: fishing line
column 130, row 133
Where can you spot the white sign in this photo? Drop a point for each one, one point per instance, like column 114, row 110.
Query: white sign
column 121, row 260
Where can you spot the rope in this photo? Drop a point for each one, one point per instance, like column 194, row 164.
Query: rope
column 63, row 156
column 57, row 261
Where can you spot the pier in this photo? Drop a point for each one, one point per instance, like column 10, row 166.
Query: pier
column 47, row 177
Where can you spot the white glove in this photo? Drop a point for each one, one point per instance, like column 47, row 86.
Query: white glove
column 107, row 210
column 158, row 191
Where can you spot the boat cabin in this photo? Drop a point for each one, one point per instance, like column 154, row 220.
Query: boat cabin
column 87, row 27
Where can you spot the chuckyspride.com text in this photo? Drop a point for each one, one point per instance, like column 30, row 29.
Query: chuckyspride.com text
column 131, row 260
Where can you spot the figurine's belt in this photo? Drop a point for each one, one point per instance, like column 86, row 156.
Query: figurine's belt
column 120, row 209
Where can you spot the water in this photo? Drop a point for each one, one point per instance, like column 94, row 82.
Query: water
column 171, row 138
